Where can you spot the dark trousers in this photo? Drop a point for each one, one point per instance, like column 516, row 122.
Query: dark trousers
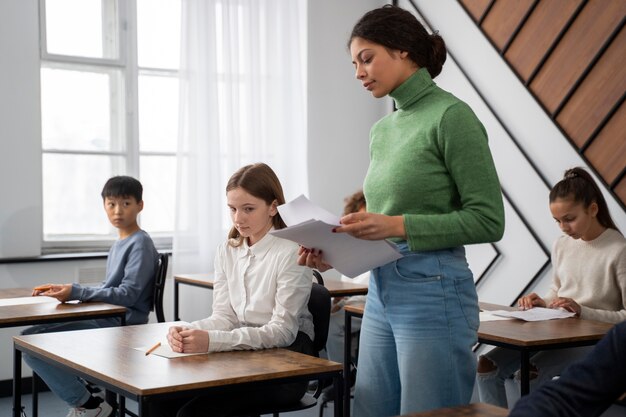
column 234, row 401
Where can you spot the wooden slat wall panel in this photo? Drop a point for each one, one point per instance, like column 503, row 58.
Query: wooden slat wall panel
column 538, row 34
column 577, row 48
column 607, row 153
column 503, row 20
column 476, row 8
column 597, row 95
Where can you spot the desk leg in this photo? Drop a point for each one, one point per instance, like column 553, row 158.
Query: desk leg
column 338, row 383
column 347, row 348
column 143, row 407
column 17, row 382
column 524, row 372
column 176, row 318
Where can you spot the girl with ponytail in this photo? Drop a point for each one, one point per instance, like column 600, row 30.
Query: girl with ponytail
column 589, row 266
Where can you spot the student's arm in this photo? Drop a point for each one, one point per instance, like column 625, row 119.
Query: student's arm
column 293, row 288
column 620, row 287
column 130, row 287
column 586, row 388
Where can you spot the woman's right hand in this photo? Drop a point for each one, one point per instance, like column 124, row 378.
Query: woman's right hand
column 529, row 301
column 312, row 258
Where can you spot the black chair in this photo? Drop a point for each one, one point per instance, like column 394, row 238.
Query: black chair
column 319, row 306
column 159, row 287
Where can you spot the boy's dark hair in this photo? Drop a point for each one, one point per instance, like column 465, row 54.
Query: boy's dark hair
column 396, row 28
column 579, row 186
column 122, row 186
column 260, row 181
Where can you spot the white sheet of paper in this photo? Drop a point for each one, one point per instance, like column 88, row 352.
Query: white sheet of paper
column 535, row 314
column 27, row 300
column 165, row 351
column 301, row 209
column 486, row 316
column 348, row 255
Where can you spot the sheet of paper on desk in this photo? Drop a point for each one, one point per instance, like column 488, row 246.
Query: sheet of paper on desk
column 165, row 351
column 535, row 314
column 486, row 316
column 311, row 227
column 27, row 300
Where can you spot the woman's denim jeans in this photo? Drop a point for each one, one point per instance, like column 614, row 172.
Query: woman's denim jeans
column 417, row 334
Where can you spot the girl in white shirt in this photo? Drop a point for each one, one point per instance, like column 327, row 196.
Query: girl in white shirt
column 260, row 295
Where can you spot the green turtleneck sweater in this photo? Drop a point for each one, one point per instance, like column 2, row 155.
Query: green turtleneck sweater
column 430, row 162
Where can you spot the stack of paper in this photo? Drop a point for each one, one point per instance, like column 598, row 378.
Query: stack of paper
column 311, row 226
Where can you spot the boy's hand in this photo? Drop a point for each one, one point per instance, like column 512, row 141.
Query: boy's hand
column 59, row 291
column 529, row 301
column 567, row 304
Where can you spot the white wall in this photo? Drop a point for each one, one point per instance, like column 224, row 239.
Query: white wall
column 20, row 129
column 340, row 111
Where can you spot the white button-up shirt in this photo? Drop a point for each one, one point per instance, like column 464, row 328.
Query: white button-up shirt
column 260, row 296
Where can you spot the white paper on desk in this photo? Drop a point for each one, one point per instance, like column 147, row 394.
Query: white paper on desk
column 487, row 316
column 27, row 300
column 311, row 227
column 165, row 351
column 535, row 314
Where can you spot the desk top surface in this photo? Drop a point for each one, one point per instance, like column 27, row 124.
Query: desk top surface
column 107, row 355
column 527, row 334
column 539, row 333
column 470, row 410
column 335, row 287
column 16, row 315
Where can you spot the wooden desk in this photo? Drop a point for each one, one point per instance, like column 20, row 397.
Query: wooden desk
column 527, row 337
column 28, row 314
column 106, row 357
column 335, row 287
column 43, row 313
column 354, row 310
column 470, row 410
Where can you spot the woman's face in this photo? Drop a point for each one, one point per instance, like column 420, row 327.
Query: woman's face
column 380, row 70
column 251, row 216
column 576, row 220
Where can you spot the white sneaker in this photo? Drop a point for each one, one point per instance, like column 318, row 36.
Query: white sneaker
column 103, row 410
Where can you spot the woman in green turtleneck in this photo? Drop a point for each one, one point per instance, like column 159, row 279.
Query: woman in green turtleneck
column 431, row 188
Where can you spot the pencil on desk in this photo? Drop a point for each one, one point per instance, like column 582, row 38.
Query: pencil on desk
column 153, row 348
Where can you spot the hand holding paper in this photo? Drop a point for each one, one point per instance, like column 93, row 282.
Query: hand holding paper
column 311, row 226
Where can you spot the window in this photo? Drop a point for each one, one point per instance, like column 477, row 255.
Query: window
column 109, row 97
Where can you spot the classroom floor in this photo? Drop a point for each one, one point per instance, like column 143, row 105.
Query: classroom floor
column 50, row 406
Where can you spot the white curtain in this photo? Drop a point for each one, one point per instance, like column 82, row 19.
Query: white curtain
column 243, row 100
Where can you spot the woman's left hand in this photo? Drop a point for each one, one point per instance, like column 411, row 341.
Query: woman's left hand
column 566, row 303
column 370, row 226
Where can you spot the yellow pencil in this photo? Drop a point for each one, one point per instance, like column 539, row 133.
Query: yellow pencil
column 153, row 348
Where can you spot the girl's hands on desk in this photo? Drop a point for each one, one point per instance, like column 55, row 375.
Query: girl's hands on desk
column 567, row 304
column 59, row 291
column 185, row 340
column 371, row 226
column 529, row 301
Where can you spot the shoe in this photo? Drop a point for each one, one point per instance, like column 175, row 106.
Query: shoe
column 96, row 391
column 103, row 410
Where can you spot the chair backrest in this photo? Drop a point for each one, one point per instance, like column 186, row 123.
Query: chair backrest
column 319, row 306
column 318, row 277
column 159, row 286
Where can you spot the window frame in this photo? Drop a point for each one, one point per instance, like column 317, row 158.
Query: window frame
column 124, row 114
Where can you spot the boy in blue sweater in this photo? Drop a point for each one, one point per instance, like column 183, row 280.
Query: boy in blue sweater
column 130, row 272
